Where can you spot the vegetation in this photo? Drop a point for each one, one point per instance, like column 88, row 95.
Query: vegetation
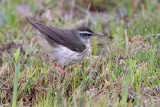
column 122, row 70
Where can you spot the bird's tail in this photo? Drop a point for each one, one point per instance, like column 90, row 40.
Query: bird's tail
column 32, row 23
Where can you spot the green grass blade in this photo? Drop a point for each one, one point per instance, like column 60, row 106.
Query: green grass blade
column 17, row 67
column 26, row 85
column 36, row 81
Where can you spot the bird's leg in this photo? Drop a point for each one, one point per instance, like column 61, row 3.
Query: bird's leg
column 62, row 71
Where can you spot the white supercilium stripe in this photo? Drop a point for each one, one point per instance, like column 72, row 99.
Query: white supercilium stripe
column 84, row 32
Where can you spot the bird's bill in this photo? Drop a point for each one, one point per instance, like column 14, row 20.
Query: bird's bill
column 98, row 34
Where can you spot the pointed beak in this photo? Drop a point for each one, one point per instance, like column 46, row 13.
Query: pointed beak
column 98, row 35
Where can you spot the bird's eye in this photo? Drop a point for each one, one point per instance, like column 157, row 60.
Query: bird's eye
column 87, row 34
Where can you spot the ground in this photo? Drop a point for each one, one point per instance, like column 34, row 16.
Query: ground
column 122, row 70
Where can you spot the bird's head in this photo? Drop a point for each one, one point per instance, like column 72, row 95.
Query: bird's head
column 86, row 33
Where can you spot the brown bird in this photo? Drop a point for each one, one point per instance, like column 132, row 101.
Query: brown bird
column 65, row 46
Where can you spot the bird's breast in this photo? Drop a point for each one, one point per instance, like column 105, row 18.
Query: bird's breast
column 65, row 56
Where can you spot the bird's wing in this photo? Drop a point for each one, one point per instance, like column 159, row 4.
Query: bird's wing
column 60, row 36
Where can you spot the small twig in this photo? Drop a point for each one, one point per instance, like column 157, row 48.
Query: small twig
column 3, row 69
column 12, row 44
column 19, row 46
column 127, row 40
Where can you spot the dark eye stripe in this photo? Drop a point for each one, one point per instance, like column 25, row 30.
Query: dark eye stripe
column 85, row 34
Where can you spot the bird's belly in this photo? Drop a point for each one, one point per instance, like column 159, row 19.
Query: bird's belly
column 64, row 56
column 61, row 54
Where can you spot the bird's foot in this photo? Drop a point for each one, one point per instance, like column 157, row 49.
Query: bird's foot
column 61, row 70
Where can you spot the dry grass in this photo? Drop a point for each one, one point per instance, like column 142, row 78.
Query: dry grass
column 122, row 70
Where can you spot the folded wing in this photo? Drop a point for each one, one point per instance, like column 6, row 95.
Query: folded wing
column 65, row 37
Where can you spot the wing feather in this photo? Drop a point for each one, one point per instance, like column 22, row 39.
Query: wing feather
column 65, row 37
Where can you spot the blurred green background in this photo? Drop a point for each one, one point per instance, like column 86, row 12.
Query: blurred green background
column 124, row 63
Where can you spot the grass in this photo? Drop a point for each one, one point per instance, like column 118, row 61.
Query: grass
column 122, row 70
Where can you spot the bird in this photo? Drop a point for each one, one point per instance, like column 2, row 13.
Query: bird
column 64, row 46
